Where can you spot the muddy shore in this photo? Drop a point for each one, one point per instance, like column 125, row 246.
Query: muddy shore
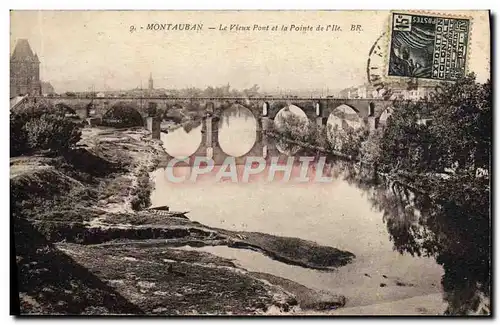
column 86, row 245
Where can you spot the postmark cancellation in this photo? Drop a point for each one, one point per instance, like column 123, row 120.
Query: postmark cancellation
column 428, row 46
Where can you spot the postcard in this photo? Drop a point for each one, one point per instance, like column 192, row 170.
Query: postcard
column 281, row 162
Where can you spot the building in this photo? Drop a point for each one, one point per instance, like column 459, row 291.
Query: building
column 47, row 88
column 398, row 90
column 417, row 93
column 348, row 93
column 24, row 71
column 363, row 91
column 420, row 92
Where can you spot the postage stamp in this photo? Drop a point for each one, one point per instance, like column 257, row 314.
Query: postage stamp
column 428, row 47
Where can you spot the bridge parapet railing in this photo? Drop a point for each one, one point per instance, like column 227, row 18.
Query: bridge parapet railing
column 209, row 98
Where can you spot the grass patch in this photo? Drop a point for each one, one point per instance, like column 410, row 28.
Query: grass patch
column 295, row 251
column 198, row 283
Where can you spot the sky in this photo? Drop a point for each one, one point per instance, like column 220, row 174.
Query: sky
column 79, row 50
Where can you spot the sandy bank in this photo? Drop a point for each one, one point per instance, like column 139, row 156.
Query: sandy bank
column 81, row 247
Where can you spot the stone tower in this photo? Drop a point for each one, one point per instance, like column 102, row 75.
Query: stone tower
column 24, row 71
column 150, row 83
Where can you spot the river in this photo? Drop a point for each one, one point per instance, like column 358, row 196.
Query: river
column 387, row 275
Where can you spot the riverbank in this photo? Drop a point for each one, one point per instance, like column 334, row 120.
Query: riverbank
column 83, row 245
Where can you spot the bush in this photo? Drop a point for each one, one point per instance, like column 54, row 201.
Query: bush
column 52, row 132
column 42, row 131
column 141, row 193
column 347, row 140
column 18, row 136
column 459, row 137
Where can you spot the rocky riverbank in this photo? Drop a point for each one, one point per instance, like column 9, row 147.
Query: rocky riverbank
column 85, row 244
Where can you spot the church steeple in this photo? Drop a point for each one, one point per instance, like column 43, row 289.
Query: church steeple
column 23, row 53
column 150, row 83
column 24, row 70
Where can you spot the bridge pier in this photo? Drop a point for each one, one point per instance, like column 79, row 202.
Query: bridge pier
column 265, row 109
column 211, row 149
column 215, row 151
column 267, row 124
column 317, row 108
column 372, row 125
column 153, row 125
column 321, row 121
column 152, row 109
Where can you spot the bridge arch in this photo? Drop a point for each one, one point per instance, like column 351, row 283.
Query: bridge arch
column 345, row 116
column 291, row 116
column 173, row 113
column 183, row 141
column 237, row 122
column 342, row 119
column 64, row 108
column 122, row 115
column 292, row 119
column 210, row 107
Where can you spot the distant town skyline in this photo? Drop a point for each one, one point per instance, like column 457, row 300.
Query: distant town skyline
column 84, row 50
column 150, row 81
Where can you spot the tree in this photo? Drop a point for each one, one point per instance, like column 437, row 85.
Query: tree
column 455, row 234
column 462, row 122
column 458, row 137
column 405, row 140
column 18, row 135
column 253, row 91
column 52, row 132
column 456, row 216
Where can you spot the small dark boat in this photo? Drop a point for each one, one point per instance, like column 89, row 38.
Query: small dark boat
column 165, row 211
column 160, row 208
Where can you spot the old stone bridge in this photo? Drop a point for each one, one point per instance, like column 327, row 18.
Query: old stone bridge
column 368, row 112
column 265, row 106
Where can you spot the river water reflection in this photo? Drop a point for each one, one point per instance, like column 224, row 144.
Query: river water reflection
column 386, row 227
